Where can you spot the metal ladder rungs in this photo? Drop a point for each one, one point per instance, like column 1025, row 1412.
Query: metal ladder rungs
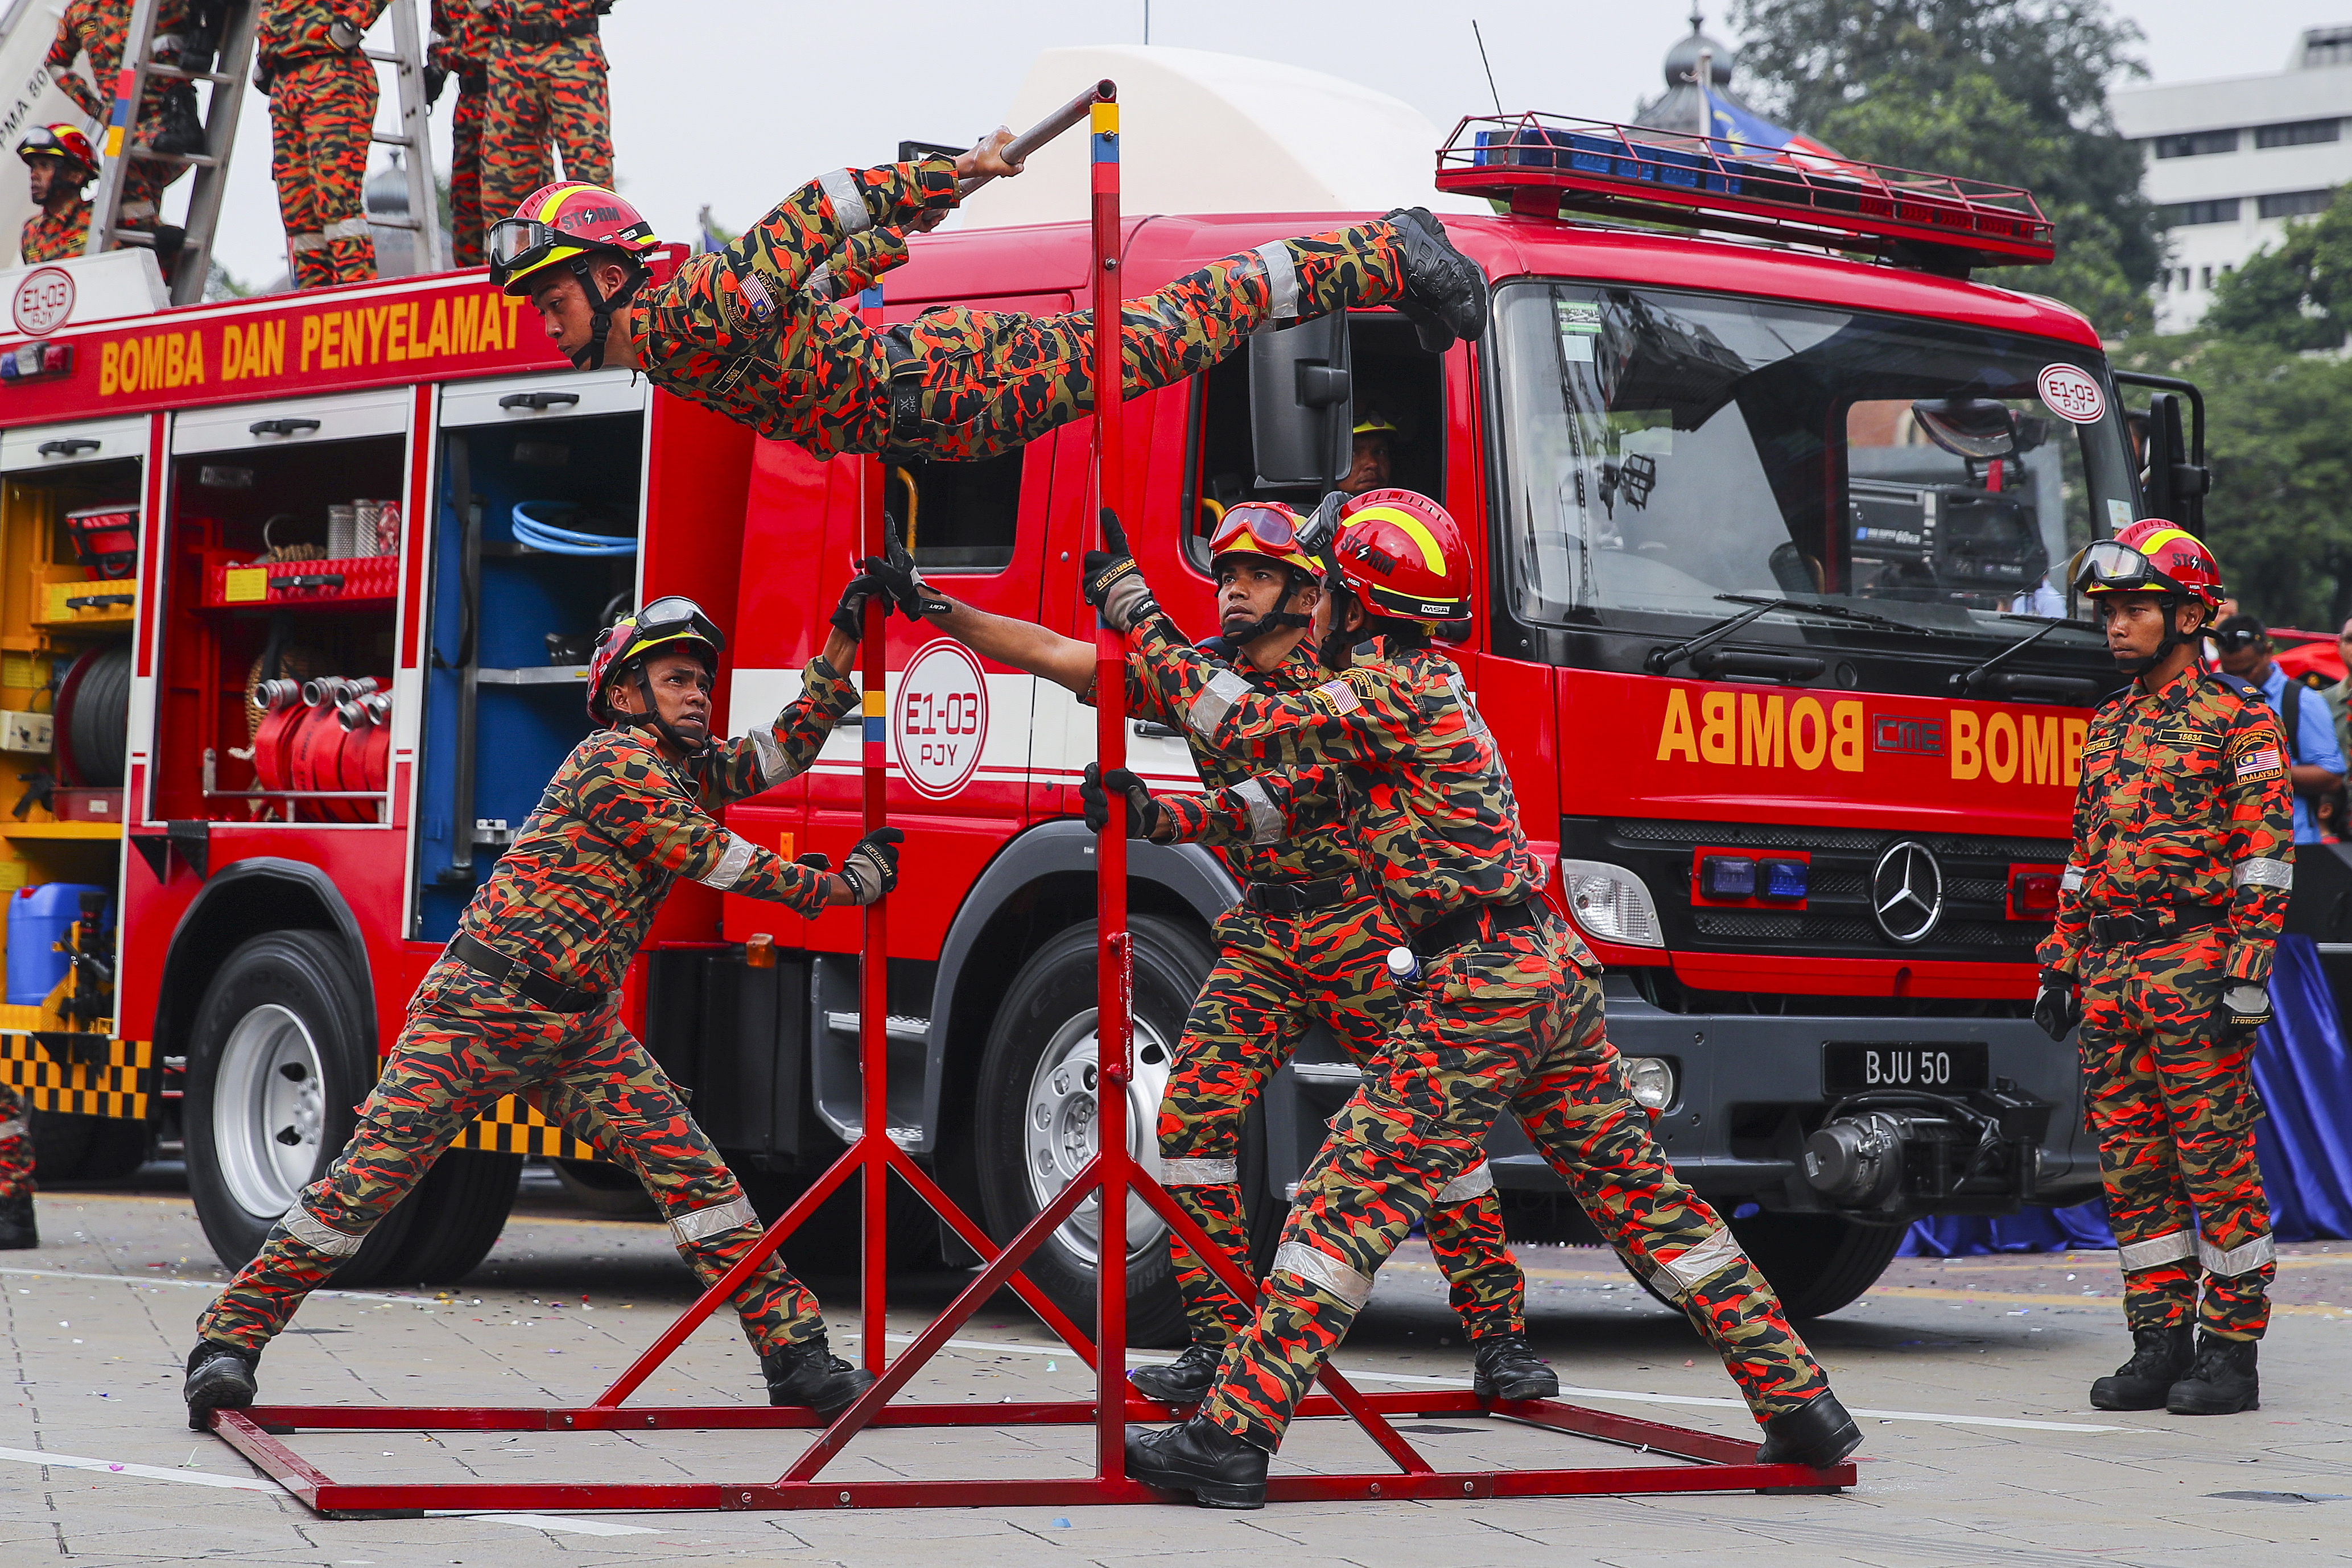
column 197, row 160
column 381, row 139
column 174, row 73
column 386, row 56
column 395, row 223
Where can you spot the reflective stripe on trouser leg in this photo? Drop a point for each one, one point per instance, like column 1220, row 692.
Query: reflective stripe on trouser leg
column 1483, row 1281
column 2138, row 1256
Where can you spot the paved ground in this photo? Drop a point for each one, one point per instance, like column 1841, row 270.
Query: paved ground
column 1981, row 1447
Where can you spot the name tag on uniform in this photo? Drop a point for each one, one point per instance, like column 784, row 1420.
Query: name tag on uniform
column 2184, row 735
column 2106, row 742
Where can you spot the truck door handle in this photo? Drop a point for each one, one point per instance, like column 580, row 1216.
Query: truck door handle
column 281, row 426
column 539, row 402
column 71, row 446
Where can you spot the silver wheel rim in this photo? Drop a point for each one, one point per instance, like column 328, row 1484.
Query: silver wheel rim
column 268, row 1106
column 1057, row 1132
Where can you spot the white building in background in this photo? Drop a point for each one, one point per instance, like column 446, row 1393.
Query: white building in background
column 2230, row 160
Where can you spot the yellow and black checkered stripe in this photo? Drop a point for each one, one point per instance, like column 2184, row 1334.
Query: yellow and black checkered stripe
column 510, row 1127
column 99, row 1077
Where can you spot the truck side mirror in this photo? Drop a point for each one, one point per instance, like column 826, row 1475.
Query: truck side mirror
column 1301, row 405
column 2174, row 477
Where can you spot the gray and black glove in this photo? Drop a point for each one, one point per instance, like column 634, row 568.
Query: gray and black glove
column 1143, row 813
column 2059, row 1007
column 871, row 867
column 849, row 616
column 1113, row 584
column 895, row 570
column 2246, row 1006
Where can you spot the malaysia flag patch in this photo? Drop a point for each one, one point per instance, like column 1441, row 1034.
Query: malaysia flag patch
column 2262, row 761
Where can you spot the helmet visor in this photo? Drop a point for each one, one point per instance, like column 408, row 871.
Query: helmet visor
column 1270, row 530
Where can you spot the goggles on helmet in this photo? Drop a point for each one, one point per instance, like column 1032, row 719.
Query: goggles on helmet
column 516, row 244
column 1271, row 529
column 2107, row 567
column 671, row 618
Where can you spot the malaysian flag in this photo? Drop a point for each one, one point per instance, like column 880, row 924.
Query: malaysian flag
column 2263, row 760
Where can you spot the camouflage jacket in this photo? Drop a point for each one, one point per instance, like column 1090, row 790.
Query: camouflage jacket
column 461, row 42
column 736, row 331
column 579, row 14
column 296, row 30
column 98, row 28
column 49, row 238
column 1318, row 845
column 1394, row 744
column 2184, row 800
column 574, row 894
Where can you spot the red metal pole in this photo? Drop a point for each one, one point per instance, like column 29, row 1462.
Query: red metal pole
column 873, row 971
column 1114, row 1038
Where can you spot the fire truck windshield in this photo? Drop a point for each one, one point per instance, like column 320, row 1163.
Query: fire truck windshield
column 1662, row 449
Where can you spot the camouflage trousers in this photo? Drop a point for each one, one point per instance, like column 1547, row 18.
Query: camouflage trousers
column 1510, row 1023
column 988, row 381
column 469, row 1041
column 15, row 1144
column 543, row 99
column 2174, row 1109
column 1274, row 975
column 321, row 113
column 467, row 230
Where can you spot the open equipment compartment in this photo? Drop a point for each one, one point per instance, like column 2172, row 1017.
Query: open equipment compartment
column 515, row 601
column 264, row 581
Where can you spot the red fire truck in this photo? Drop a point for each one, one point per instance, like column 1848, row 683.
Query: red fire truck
column 1766, row 528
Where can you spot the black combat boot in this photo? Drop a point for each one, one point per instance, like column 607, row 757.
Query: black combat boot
column 1818, row 1433
column 2160, row 1358
column 809, row 1373
column 1182, row 1382
column 220, row 1377
column 17, row 1230
column 1505, row 1366
column 2222, row 1382
column 1445, row 292
column 1218, row 1468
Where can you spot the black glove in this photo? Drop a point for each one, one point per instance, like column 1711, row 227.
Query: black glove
column 815, row 861
column 871, row 868
column 849, row 616
column 896, row 572
column 2246, row 1006
column 1113, row 583
column 435, row 78
column 1143, row 813
column 2059, row 1007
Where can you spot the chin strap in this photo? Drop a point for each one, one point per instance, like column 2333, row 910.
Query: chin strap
column 2134, row 665
column 1279, row 620
column 651, row 718
column 600, row 326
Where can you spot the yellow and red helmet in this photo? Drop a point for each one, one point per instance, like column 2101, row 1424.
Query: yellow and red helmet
column 1262, row 528
column 1403, row 552
column 558, row 223
column 62, row 142
column 672, row 622
column 2150, row 556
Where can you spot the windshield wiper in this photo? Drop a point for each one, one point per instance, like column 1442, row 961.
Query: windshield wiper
column 1662, row 659
column 1966, row 682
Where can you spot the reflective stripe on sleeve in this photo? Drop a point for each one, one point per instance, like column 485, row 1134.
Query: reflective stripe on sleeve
column 731, row 864
column 2262, row 872
column 1265, row 822
column 820, row 282
column 12, row 1128
column 2156, row 1251
column 1318, row 1267
column 1475, row 1182
column 348, row 229
column 700, row 1224
column 2070, row 880
column 773, row 767
column 1692, row 1266
column 1198, row 1172
column 1281, row 280
column 306, row 1228
column 2241, row 1259
column 1216, row 700
column 847, row 200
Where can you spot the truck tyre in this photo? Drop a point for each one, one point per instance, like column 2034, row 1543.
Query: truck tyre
column 1817, row 1263
column 455, row 1216
column 603, row 1189
column 280, row 1054
column 1036, row 1113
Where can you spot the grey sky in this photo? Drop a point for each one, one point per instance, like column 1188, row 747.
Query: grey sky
column 733, row 102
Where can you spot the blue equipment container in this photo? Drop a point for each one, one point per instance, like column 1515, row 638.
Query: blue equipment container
column 38, row 917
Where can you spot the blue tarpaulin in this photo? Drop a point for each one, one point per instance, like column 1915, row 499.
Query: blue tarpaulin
column 2304, row 1142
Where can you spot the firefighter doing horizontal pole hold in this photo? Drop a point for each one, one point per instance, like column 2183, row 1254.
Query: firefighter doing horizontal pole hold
column 527, row 998
column 1304, row 944
column 1502, row 1013
column 2169, row 911
column 738, row 331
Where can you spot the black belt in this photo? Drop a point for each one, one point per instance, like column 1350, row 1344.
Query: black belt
column 490, row 963
column 538, row 33
column 1475, row 923
column 1298, row 898
column 2161, row 920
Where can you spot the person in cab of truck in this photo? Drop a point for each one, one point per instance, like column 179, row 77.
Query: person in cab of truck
column 2314, row 759
column 1307, row 942
column 1503, row 1012
column 738, row 331
column 61, row 163
column 322, row 98
column 1372, row 457
column 2167, row 911
column 527, row 998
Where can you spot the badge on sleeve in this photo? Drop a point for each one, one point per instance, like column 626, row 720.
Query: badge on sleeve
column 1338, row 696
column 2261, row 763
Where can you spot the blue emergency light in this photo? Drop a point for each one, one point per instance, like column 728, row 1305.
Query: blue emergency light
column 1785, row 879
column 1726, row 877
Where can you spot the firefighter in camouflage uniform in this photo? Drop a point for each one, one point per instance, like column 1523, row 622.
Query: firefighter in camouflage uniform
column 527, row 998
column 322, row 97
column 2167, row 912
column 1503, row 1012
column 463, row 37
column 61, row 163
column 1304, row 944
column 737, row 330
column 99, row 29
column 17, row 1230
column 547, row 86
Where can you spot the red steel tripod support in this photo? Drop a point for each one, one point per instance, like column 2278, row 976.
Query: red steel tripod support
column 1721, row 1464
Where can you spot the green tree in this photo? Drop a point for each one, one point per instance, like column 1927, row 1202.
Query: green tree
column 2298, row 296
column 2013, row 91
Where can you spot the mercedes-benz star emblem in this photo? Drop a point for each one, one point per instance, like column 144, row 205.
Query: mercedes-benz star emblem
column 1906, row 892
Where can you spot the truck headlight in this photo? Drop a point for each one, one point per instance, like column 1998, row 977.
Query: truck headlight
column 1609, row 902
column 1651, row 1081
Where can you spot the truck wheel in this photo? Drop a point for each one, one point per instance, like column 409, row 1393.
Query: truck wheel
column 603, row 1189
column 280, row 1056
column 1817, row 1263
column 455, row 1216
column 1036, row 1113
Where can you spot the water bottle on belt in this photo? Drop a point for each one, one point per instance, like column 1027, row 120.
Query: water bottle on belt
column 1405, row 970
